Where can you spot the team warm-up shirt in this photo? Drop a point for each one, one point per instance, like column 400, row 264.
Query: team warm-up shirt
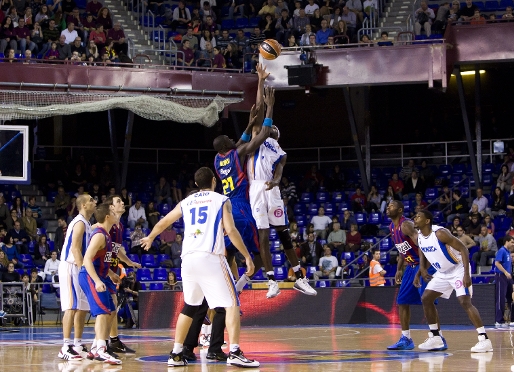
column 404, row 244
column 102, row 259
column 203, row 231
column 441, row 256
column 66, row 252
column 232, row 175
column 116, row 234
column 261, row 164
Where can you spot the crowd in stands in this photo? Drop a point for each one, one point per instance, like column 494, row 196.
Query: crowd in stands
column 329, row 213
column 60, row 30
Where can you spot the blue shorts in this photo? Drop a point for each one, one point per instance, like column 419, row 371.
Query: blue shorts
column 111, row 287
column 100, row 303
column 409, row 294
column 245, row 224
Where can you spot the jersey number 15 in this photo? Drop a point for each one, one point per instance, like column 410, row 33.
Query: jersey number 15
column 202, row 215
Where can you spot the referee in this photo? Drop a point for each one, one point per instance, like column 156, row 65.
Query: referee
column 503, row 279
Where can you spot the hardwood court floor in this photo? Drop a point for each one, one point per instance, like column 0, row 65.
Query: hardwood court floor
column 340, row 348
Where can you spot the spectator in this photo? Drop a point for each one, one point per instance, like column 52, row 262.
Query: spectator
column 88, row 24
column 231, row 56
column 321, row 223
column 508, row 13
column 311, row 8
column 30, row 224
column 373, row 199
column 67, row 6
column 193, row 40
column 419, row 202
column 4, row 211
column 11, row 251
column 323, row 34
column 424, row 18
column 478, row 19
column 268, row 8
column 454, row 11
column 72, row 210
column 283, row 26
column 350, row 19
column 347, row 221
column 10, row 275
column 344, row 271
column 327, row 265
column 397, row 184
column 42, row 14
column 407, row 170
column 288, row 191
column 9, row 222
column 445, row 199
column 51, row 35
column 330, row 227
column 455, row 224
column 93, row 8
column 489, row 224
column 441, row 18
column 482, row 202
column 59, row 19
column 130, row 288
column 108, row 50
column 172, row 284
column 245, row 8
column 167, row 237
column 316, row 20
column 504, row 181
column 389, row 196
column 426, row 174
column 294, row 233
column 459, row 207
column 376, row 272
column 355, row 6
column 467, row 11
column 206, row 56
column 300, row 23
column 335, row 17
column 60, row 234
column 305, row 37
column 63, row 49
column 51, row 267
column 310, row 251
column 499, row 205
column 181, row 16
column 337, row 238
column 510, row 200
column 20, row 238
column 135, row 237
column 335, row 181
column 162, row 192
column 189, row 56
column 281, row 5
column 488, row 247
column 414, row 185
column 104, row 18
column 176, row 251
column 358, row 200
column 3, row 262
column 18, row 207
column 257, row 37
column 353, row 239
column 207, row 37
column 99, row 37
column 309, row 229
column 92, row 51
column 209, row 24
column 41, row 251
column 152, row 214
column 137, row 215
column 36, row 212
column 219, row 60
column 118, row 37
column 224, row 40
column 241, row 41
column 473, row 226
column 79, row 27
column 6, row 33
column 466, row 240
column 21, row 38
column 267, row 25
column 340, row 31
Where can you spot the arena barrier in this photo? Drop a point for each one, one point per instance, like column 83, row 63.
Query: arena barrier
column 332, row 306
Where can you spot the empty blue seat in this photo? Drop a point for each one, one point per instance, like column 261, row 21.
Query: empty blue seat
column 459, row 169
column 280, row 273
column 143, row 275
column 322, row 197
column 310, row 271
column 156, row 286
column 254, row 22
column 32, row 244
column 386, row 244
column 313, row 209
column 158, row 36
column 487, row 179
column 148, row 260
column 360, row 218
column 277, row 259
column 343, row 206
column 322, row 284
column 492, row 6
column 164, row 209
column 273, row 234
column 384, row 257
column 26, row 259
column 455, row 179
column 300, row 221
column 242, row 22
column 178, row 273
column 161, row 258
column 227, row 24
column 445, row 170
column 299, row 208
column 329, row 208
column 406, row 210
column 430, row 193
column 160, row 274
column 41, row 231
column 259, row 275
column 143, row 286
column 274, row 246
column 488, row 168
column 375, row 218
column 306, row 197
column 338, row 196
column 47, row 288
column 386, row 219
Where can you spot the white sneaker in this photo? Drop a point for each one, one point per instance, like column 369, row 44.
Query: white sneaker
column 483, row 345
column 68, row 353
column 205, row 340
column 432, row 343
column 103, row 356
column 243, row 280
column 81, row 350
column 500, row 325
column 511, row 324
column 273, row 291
column 302, row 285
column 238, row 359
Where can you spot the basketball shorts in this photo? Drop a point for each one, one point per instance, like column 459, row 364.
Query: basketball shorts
column 111, row 287
column 208, row 275
column 267, row 206
column 245, row 224
column 450, row 281
column 72, row 295
column 409, row 294
column 100, row 303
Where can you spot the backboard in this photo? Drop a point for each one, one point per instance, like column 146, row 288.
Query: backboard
column 14, row 154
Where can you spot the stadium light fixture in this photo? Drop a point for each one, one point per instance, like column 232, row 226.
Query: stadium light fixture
column 472, row 72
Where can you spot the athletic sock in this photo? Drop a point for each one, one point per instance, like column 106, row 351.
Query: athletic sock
column 67, row 342
column 77, row 342
column 434, row 329
column 114, row 339
column 271, row 275
column 481, row 332
column 406, row 333
column 100, row 344
column 234, row 348
column 297, row 272
column 243, row 280
column 177, row 348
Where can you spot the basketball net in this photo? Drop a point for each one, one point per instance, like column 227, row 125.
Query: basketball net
column 183, row 109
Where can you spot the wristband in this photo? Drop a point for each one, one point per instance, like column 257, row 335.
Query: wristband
column 267, row 122
column 245, row 137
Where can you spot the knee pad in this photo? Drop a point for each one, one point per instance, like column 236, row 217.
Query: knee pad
column 189, row 310
column 285, row 239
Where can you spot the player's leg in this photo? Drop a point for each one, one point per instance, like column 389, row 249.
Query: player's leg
column 67, row 351
column 102, row 330
column 236, row 356
column 115, row 344
column 191, row 340
column 434, row 341
column 217, row 336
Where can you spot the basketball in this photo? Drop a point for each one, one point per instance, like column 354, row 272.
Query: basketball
column 270, row 49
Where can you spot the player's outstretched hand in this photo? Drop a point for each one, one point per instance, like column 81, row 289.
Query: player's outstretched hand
column 250, row 267
column 269, row 96
column 254, row 111
column 146, row 243
column 398, row 277
column 261, row 71
column 136, row 265
column 100, row 287
column 271, row 184
column 416, row 283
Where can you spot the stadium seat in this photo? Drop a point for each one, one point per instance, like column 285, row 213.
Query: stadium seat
column 321, row 197
column 299, row 208
column 126, row 233
column 241, row 22
column 375, row 218
column 156, row 286
column 306, row 197
column 164, row 209
column 322, row 284
column 360, row 218
column 488, row 168
column 385, row 219
column 26, row 259
column 160, row 274
column 277, row 259
column 487, row 179
column 280, row 273
column 259, row 275
column 343, row 206
column 41, row 231
column 465, row 192
column 349, row 256
column 51, row 244
column 143, row 275
column 254, row 22
column 227, row 24
column 274, row 246
column 445, row 170
column 430, row 193
column 313, row 209
column 459, row 169
column 384, row 258
column 31, row 246
column 492, row 6
column 406, row 209
column 162, row 257
column 338, row 196
column 148, row 260
column 47, row 288
column 143, row 286
column 329, row 209
column 455, row 179
column 273, row 234
column 386, row 244
column 300, row 221
column 178, row 273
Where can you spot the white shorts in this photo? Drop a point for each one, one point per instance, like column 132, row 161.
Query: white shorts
column 449, row 281
column 267, row 206
column 72, row 296
column 208, row 275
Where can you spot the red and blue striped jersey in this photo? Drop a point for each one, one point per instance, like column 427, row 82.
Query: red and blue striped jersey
column 116, row 241
column 407, row 248
column 232, row 175
column 102, row 259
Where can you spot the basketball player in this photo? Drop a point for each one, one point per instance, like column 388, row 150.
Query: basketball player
column 94, row 278
column 205, row 272
column 450, row 257
column 73, row 300
column 405, row 238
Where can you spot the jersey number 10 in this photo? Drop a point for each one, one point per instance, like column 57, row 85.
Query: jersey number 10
column 228, row 185
column 202, row 215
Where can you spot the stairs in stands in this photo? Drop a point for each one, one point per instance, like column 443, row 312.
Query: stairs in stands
column 396, row 14
column 46, row 207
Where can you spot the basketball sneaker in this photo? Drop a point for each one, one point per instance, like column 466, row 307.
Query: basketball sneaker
column 120, row 347
column 91, row 354
column 81, row 350
column 238, row 359
column 483, row 346
column 302, row 285
column 445, row 344
column 177, row 360
column 103, row 356
column 205, row 340
column 273, row 291
column 218, row 355
column 404, row 343
column 432, row 343
column 68, row 353
column 188, row 354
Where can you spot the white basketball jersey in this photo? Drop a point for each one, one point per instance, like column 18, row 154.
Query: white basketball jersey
column 441, row 256
column 203, row 230
column 66, row 253
column 261, row 164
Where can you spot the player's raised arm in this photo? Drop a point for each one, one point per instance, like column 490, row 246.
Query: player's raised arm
column 235, row 237
column 171, row 217
column 76, row 243
column 97, row 242
column 446, row 237
column 247, row 134
column 259, row 101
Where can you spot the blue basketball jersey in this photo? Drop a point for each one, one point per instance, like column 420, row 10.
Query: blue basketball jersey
column 102, row 259
column 232, row 175
column 406, row 247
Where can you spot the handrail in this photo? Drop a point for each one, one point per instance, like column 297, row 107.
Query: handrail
column 370, row 30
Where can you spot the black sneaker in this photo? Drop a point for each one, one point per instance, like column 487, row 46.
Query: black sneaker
column 111, row 352
column 177, row 360
column 238, row 359
column 189, row 355
column 218, row 355
column 120, row 347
